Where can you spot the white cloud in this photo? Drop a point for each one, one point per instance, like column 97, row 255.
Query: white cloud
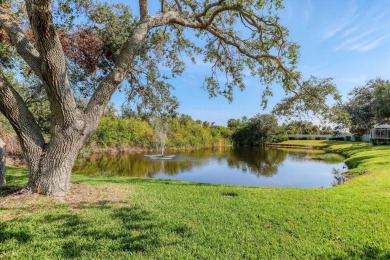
column 361, row 30
column 369, row 44
column 382, row 15
column 352, row 30
column 343, row 23
column 355, row 40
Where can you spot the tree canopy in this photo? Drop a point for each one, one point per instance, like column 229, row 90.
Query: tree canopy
column 309, row 99
column 382, row 99
column 367, row 106
column 259, row 130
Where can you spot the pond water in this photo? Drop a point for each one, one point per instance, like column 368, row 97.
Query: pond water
column 268, row 167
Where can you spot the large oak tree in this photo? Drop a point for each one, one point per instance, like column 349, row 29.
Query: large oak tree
column 74, row 50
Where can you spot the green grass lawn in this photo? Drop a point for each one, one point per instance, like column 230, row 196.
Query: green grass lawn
column 132, row 218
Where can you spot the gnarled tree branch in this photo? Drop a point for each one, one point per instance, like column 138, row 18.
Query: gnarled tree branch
column 15, row 110
column 53, row 63
column 122, row 66
column 20, row 41
column 210, row 12
column 201, row 20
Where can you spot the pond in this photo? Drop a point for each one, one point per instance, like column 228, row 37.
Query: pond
column 267, row 167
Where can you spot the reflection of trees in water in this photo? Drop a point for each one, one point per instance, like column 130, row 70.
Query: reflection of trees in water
column 259, row 161
column 134, row 165
column 298, row 157
column 297, row 154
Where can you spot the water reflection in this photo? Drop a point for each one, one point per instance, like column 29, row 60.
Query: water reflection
column 249, row 166
column 260, row 162
column 135, row 165
column 339, row 177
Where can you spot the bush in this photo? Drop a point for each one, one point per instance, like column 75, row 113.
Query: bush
column 278, row 138
column 292, row 138
column 348, row 138
column 118, row 132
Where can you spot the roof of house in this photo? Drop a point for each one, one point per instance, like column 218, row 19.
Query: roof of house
column 387, row 126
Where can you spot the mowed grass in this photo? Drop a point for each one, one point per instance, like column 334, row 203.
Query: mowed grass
column 133, row 218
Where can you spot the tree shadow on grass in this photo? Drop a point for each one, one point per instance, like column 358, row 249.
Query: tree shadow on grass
column 9, row 190
column 357, row 161
column 370, row 252
column 96, row 230
column 19, row 235
column 142, row 180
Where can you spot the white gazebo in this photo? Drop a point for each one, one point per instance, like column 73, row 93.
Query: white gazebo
column 380, row 134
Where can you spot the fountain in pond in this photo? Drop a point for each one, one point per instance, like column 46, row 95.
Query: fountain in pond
column 160, row 126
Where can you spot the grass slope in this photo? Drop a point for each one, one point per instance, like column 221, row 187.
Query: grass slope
column 158, row 219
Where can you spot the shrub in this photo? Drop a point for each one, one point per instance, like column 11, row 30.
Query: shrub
column 278, row 138
column 135, row 132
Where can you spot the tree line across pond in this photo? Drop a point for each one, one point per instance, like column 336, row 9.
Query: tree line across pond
column 183, row 132
column 366, row 106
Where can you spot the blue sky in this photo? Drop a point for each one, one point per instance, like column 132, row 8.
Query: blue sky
column 347, row 40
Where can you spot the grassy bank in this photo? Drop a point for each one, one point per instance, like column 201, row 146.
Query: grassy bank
column 119, row 217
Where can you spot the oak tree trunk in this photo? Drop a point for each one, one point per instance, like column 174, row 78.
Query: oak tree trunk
column 52, row 176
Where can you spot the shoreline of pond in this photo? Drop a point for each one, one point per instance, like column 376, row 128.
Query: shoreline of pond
column 277, row 145
column 131, row 149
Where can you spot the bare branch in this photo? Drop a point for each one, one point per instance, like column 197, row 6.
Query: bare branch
column 143, row 8
column 190, row 20
column 179, row 7
column 20, row 41
column 206, row 9
column 162, row 6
